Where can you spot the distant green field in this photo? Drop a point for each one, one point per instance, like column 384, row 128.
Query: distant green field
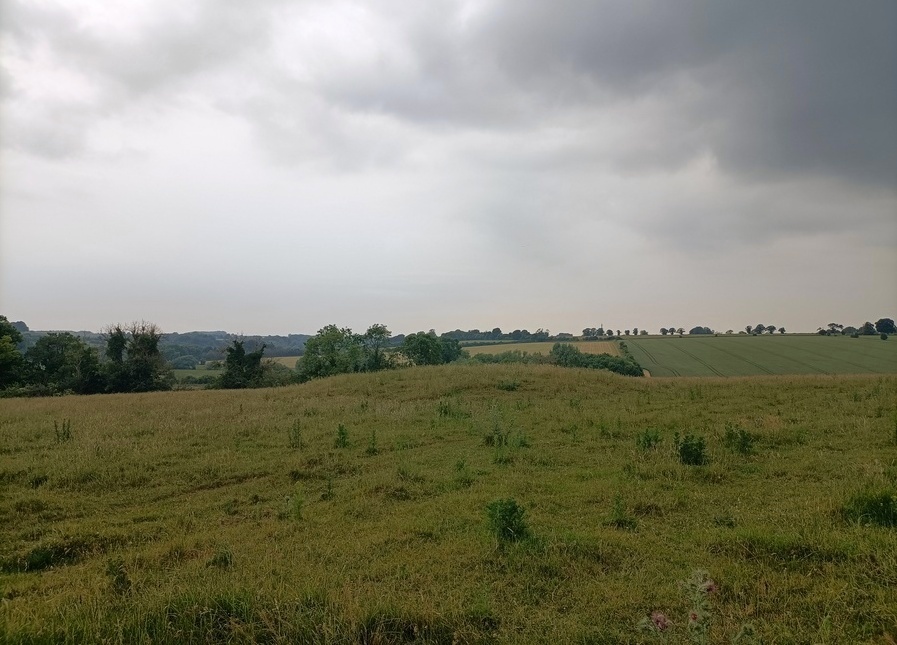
column 589, row 347
column 764, row 355
column 289, row 361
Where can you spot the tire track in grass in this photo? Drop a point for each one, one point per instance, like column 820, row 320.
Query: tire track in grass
column 793, row 360
column 750, row 362
column 654, row 359
column 864, row 369
column 705, row 364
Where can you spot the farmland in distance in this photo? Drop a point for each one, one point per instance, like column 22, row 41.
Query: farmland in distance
column 589, row 347
column 764, row 355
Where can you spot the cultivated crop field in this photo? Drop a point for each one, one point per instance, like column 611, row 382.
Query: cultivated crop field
column 588, row 347
column 355, row 509
column 764, row 355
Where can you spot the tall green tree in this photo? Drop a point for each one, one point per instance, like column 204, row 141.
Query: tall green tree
column 242, row 369
column 422, row 349
column 331, row 351
column 374, row 343
column 885, row 326
column 62, row 362
column 11, row 360
column 135, row 362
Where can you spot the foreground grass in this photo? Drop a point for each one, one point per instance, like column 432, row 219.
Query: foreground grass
column 211, row 516
column 764, row 355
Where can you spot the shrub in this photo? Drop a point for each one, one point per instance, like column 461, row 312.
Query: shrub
column 506, row 520
column 872, row 507
column 691, row 450
column 884, row 337
column 509, row 386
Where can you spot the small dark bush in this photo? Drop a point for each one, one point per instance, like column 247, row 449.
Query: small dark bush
column 691, row 450
column 884, row 337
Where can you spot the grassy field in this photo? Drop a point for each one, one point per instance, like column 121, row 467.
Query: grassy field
column 763, row 355
column 249, row 516
column 289, row 361
column 591, row 347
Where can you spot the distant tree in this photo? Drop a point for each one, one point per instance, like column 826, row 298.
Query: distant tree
column 664, row 331
column 643, row 332
column 680, row 331
column 331, row 351
column 496, row 333
column 242, row 369
column 781, row 330
column 635, row 331
column 835, row 328
column 700, row 330
column 885, row 326
column 868, row 329
column 759, row 329
column 849, row 331
column 20, row 325
column 599, row 332
column 730, row 331
column 135, row 362
column 374, row 343
column 748, row 329
column 770, row 329
column 451, row 350
column 185, row 362
column 61, row 362
column 422, row 349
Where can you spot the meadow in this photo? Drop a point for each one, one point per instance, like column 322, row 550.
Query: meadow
column 362, row 508
column 764, row 355
column 588, row 346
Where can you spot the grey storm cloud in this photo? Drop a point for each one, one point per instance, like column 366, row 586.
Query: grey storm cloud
column 545, row 138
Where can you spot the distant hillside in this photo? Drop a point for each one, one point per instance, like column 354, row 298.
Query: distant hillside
column 202, row 345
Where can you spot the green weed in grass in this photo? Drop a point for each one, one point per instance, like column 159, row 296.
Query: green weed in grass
column 294, row 436
column 878, row 507
column 342, row 437
column 648, row 439
column 739, row 440
column 63, row 431
column 506, row 520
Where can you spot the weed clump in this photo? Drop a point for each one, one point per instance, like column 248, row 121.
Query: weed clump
column 872, row 507
column 739, row 440
column 63, row 431
column 342, row 437
column 648, row 440
column 223, row 559
column 294, row 435
column 509, row 386
column 118, row 576
column 619, row 517
column 692, row 450
column 506, row 520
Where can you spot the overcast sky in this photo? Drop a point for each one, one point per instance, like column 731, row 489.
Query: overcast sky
column 274, row 166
